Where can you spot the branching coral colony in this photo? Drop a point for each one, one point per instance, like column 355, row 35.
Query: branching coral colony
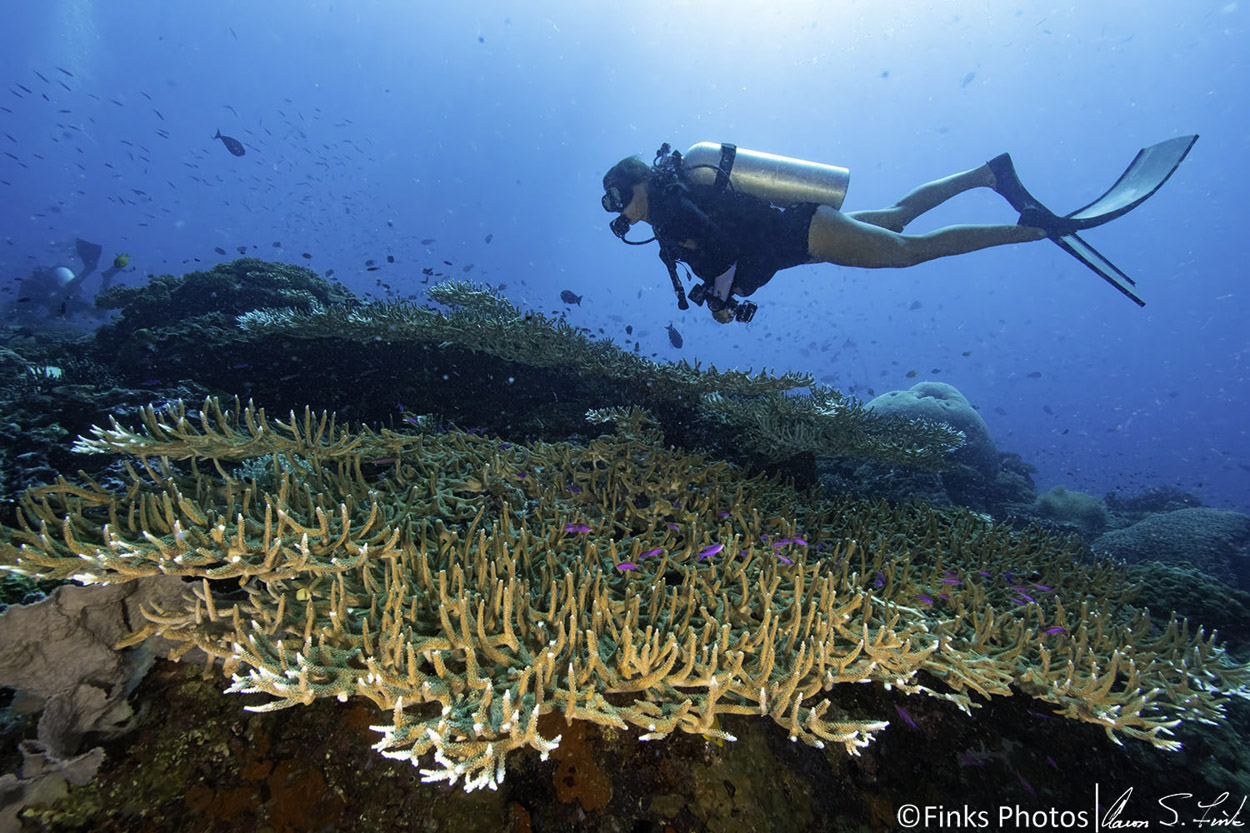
column 468, row 586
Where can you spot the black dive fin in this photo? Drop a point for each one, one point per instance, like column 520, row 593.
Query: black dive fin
column 89, row 254
column 1105, row 269
column 1145, row 174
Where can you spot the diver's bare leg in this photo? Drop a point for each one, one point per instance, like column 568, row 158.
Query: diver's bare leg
column 926, row 197
column 844, row 240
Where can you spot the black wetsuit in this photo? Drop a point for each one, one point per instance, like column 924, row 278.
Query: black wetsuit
column 727, row 228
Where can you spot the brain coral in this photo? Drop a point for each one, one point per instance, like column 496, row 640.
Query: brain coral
column 940, row 402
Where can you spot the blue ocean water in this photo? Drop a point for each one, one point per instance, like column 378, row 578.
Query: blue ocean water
column 485, row 127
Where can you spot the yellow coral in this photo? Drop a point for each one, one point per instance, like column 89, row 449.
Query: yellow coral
column 469, row 587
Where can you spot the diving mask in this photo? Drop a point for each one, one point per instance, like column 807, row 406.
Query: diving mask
column 614, row 200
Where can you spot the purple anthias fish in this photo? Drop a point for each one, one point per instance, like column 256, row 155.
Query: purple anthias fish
column 712, row 550
column 626, row 565
column 576, row 528
column 650, row 553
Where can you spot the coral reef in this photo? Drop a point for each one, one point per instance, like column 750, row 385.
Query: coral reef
column 226, row 290
column 483, row 320
column 253, row 329
column 773, row 427
column 1203, row 598
column 468, row 587
column 755, row 418
column 1216, row 541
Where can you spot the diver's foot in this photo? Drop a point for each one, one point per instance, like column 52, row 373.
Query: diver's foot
column 1005, row 181
column 1051, row 225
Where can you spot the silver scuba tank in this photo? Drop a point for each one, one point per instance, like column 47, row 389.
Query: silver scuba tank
column 778, row 179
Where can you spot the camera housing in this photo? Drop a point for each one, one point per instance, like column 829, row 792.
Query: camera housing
column 743, row 311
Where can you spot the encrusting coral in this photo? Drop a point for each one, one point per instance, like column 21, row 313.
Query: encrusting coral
column 467, row 586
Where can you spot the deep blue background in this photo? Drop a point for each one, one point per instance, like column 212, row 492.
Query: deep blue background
column 373, row 125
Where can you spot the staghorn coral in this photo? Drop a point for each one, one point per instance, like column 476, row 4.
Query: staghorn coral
column 467, row 587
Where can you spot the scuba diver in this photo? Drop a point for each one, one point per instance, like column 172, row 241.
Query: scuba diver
column 56, row 292
column 736, row 217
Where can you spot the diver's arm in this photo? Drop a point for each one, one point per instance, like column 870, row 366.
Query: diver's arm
column 723, row 284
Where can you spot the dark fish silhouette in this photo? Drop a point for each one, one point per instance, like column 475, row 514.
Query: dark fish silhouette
column 568, row 297
column 232, row 145
column 674, row 337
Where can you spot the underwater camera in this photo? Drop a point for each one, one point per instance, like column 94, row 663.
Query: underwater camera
column 742, row 311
